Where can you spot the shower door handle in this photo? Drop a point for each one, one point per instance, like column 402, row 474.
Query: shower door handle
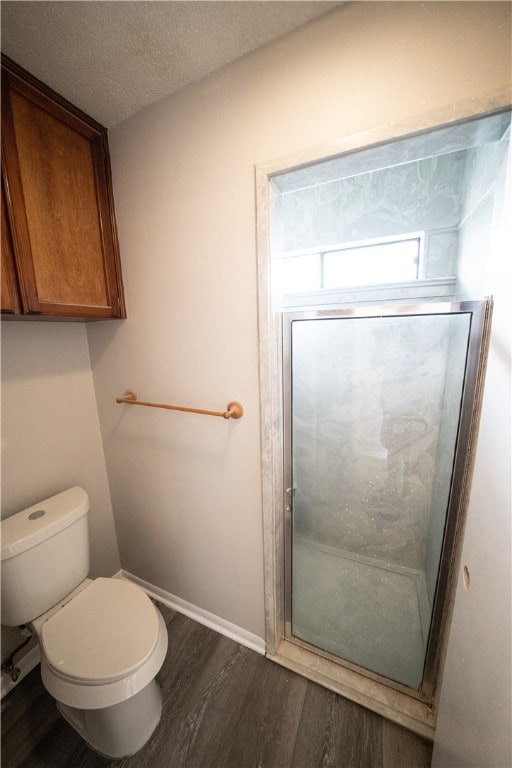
column 290, row 493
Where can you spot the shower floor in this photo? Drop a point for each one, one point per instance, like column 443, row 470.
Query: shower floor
column 360, row 609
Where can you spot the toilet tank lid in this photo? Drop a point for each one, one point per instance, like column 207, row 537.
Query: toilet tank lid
column 39, row 522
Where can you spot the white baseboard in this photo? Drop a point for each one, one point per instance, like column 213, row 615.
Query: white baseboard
column 233, row 631
column 25, row 663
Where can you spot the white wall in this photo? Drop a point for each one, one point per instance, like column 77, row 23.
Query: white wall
column 50, row 430
column 474, row 725
column 186, row 489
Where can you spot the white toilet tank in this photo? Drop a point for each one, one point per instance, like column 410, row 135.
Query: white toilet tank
column 45, row 555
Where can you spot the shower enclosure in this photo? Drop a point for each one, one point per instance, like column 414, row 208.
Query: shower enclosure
column 374, row 326
column 376, row 406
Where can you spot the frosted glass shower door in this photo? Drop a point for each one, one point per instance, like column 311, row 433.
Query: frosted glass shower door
column 374, row 406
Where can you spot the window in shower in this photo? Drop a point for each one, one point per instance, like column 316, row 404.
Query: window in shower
column 387, row 260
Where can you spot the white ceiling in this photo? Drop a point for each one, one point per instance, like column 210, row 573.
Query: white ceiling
column 112, row 58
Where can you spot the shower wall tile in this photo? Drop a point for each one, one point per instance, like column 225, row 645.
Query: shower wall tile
column 485, row 173
column 452, row 139
column 441, row 253
column 481, row 171
column 423, row 195
column 473, row 247
column 367, row 405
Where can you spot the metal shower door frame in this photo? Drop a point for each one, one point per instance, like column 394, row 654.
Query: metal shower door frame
column 480, row 315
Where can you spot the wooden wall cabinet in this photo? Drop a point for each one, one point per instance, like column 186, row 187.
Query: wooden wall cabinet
column 60, row 255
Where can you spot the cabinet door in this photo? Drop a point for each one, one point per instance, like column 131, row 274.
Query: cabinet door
column 10, row 297
column 61, row 204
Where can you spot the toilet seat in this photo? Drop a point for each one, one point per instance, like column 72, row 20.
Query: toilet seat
column 103, row 646
column 104, row 634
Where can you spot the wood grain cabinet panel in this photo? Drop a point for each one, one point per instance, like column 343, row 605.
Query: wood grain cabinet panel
column 10, row 293
column 59, row 204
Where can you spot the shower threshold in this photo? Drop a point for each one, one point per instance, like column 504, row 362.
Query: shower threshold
column 387, row 698
column 402, row 709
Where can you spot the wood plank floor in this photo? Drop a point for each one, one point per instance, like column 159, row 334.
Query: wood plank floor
column 225, row 706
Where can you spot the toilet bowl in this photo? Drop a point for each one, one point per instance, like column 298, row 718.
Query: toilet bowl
column 99, row 656
column 102, row 641
column 103, row 646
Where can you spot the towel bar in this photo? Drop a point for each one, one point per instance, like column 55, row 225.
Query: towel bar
column 234, row 410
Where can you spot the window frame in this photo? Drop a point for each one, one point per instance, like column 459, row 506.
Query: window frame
column 354, row 245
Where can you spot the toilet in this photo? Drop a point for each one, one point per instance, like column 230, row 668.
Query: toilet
column 102, row 640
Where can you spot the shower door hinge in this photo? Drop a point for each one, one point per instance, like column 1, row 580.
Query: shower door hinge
column 290, row 493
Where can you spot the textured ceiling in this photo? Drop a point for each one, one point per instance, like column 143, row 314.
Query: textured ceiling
column 112, row 58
